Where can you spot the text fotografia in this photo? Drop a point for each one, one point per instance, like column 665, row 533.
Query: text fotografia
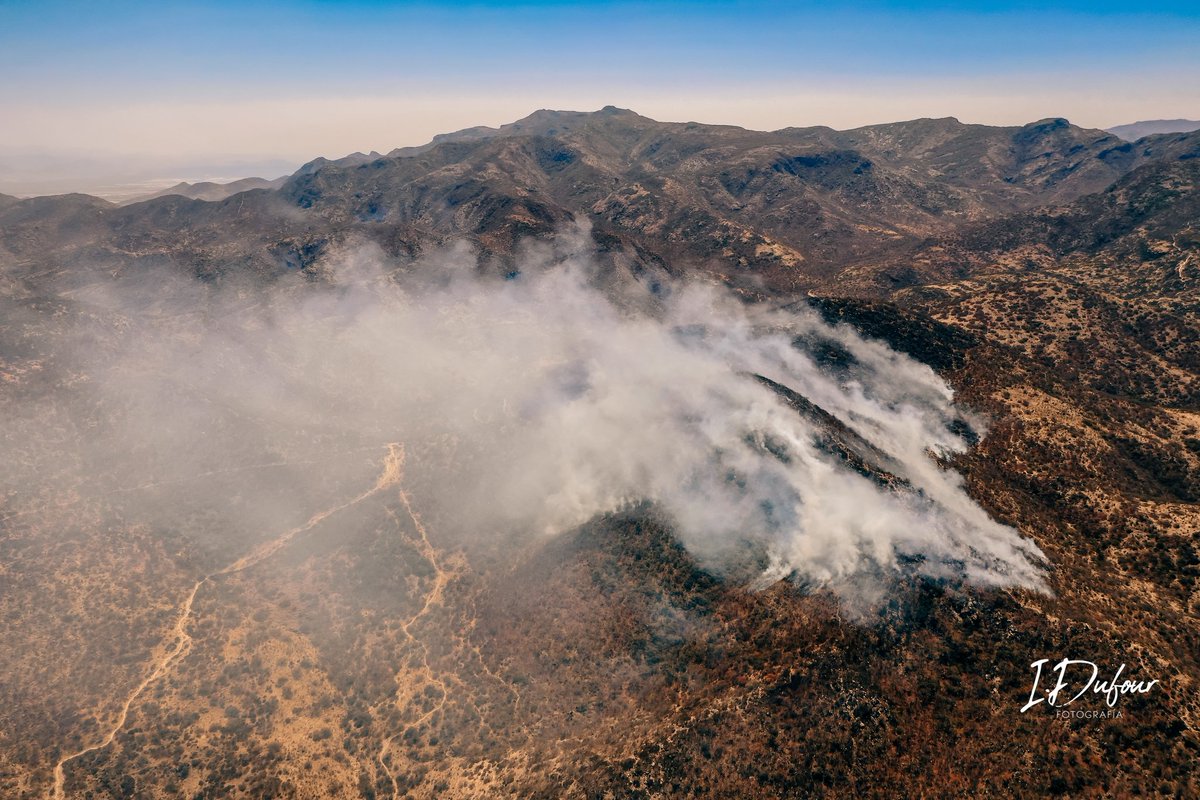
column 1071, row 679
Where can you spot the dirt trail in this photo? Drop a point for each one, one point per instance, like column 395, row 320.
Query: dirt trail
column 408, row 692
column 442, row 578
column 393, row 467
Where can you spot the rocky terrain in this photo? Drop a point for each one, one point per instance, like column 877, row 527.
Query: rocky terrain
column 349, row 641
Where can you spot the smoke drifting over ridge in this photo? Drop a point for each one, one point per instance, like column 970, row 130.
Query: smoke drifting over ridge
column 559, row 402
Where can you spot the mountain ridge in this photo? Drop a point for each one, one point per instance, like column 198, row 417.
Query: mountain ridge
column 1134, row 131
column 793, row 207
column 210, row 190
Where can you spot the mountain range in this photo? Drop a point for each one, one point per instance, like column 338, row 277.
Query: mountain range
column 794, row 207
column 1136, row 130
column 209, row 190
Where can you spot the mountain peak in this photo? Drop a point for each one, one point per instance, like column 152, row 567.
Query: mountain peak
column 551, row 117
column 1048, row 124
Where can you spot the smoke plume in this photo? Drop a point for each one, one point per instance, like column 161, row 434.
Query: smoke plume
column 777, row 444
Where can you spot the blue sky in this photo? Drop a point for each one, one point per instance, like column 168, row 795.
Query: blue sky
column 224, row 47
column 299, row 79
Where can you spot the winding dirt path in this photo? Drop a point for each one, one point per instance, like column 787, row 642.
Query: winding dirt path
column 393, row 470
column 442, row 578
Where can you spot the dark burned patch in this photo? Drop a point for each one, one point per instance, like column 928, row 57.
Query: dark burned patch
column 828, row 353
column 963, row 430
column 943, row 347
column 836, row 439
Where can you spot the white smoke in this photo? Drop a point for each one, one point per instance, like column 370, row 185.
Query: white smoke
column 562, row 402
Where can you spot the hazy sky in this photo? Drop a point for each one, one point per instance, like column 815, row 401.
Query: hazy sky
column 219, row 87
